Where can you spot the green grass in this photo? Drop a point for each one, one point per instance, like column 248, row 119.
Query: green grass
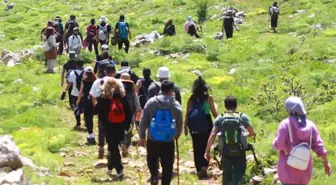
column 263, row 61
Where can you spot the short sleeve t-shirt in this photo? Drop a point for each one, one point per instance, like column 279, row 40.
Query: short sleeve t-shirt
column 96, row 90
column 245, row 121
column 72, row 79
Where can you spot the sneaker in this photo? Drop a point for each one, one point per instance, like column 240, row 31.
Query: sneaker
column 91, row 141
column 154, row 181
column 203, row 173
column 120, row 174
column 124, row 150
column 101, row 153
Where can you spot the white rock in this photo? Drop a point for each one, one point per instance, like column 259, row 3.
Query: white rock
column 232, row 71
column 9, row 153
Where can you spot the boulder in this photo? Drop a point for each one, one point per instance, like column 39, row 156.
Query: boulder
column 13, row 178
column 9, row 153
column 219, row 36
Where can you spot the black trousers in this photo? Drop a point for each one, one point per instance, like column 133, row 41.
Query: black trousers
column 101, row 134
column 165, row 153
column 229, row 32
column 74, row 99
column 124, row 41
column 95, row 45
column 114, row 160
column 88, row 114
column 200, row 141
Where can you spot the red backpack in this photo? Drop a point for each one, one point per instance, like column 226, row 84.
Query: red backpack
column 117, row 112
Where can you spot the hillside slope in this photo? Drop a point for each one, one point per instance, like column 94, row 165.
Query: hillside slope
column 268, row 67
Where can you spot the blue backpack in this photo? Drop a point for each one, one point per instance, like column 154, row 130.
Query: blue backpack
column 197, row 121
column 163, row 126
column 122, row 26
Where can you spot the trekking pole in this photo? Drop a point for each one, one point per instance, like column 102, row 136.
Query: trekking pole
column 178, row 161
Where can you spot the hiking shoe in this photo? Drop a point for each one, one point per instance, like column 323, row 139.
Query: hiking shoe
column 124, row 150
column 203, row 173
column 120, row 174
column 154, row 181
column 101, row 153
column 91, row 141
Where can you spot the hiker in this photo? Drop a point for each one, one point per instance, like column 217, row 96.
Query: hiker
column 274, row 12
column 84, row 100
column 91, row 39
column 228, row 24
column 163, row 118
column 227, row 127
column 115, row 115
column 95, row 93
column 101, row 65
column 50, row 49
column 169, row 29
column 74, row 80
column 125, row 68
column 154, row 88
column 69, row 27
column 104, row 31
column 69, row 66
column 142, row 86
column 198, row 121
column 191, row 28
column 123, row 33
column 75, row 42
column 293, row 132
column 60, row 34
column 135, row 107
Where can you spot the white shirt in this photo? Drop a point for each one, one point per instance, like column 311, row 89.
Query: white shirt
column 75, row 42
column 72, row 79
column 96, row 90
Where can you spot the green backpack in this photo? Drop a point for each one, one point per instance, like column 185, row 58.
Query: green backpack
column 232, row 140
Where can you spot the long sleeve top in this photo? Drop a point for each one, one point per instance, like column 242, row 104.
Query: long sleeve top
column 300, row 133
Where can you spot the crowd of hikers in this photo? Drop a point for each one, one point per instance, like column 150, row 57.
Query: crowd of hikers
column 126, row 103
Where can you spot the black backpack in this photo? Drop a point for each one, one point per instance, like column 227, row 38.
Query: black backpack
column 143, row 94
column 79, row 78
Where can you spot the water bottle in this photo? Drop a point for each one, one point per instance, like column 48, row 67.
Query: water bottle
column 173, row 126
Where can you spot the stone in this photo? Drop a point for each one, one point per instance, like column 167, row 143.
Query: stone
column 101, row 164
column 269, row 171
column 9, row 153
column 256, row 180
column 300, row 11
column 18, row 81
column 311, row 16
column 232, row 71
column 219, row 36
column 15, row 177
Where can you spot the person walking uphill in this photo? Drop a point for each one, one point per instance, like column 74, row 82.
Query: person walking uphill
column 295, row 138
column 163, row 119
column 114, row 113
column 51, row 50
column 274, row 12
column 228, row 25
column 154, row 89
column 104, row 31
column 123, row 32
column 96, row 92
column 198, row 121
column 232, row 128
column 84, row 100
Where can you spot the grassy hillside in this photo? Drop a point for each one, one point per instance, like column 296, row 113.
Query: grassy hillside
column 269, row 67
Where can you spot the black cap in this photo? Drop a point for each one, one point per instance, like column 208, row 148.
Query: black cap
column 93, row 21
column 110, row 68
column 167, row 86
column 124, row 63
